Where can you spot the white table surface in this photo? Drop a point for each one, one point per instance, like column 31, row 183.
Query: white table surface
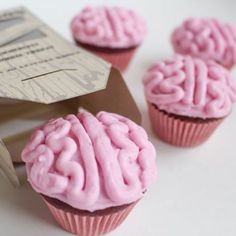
column 195, row 194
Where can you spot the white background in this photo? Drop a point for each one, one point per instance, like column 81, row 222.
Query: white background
column 195, row 194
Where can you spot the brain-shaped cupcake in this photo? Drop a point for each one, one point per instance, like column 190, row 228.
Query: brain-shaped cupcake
column 190, row 87
column 91, row 162
column 113, row 27
column 207, row 39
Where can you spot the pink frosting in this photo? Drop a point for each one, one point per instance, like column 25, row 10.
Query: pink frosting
column 90, row 162
column 190, row 87
column 112, row 27
column 207, row 39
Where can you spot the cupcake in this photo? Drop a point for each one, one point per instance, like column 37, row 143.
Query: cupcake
column 90, row 170
column 206, row 39
column 188, row 98
column 113, row 33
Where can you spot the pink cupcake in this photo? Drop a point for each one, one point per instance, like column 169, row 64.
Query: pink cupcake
column 188, row 98
column 90, row 171
column 113, row 33
column 206, row 39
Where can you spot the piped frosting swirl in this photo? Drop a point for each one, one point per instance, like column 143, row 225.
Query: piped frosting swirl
column 90, row 162
column 112, row 27
column 190, row 87
column 206, row 39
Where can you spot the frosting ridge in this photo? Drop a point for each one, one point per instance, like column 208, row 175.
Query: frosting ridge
column 207, row 39
column 90, row 162
column 190, row 87
column 113, row 27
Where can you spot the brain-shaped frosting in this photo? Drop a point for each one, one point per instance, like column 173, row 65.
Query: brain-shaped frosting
column 113, row 27
column 90, row 162
column 206, row 39
column 190, row 87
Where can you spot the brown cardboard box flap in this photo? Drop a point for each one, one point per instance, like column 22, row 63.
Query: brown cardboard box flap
column 42, row 76
column 17, row 124
column 6, row 164
column 115, row 98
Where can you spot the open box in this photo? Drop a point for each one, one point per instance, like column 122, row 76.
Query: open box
column 42, row 76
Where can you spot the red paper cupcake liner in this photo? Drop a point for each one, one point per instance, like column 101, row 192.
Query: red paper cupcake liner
column 119, row 58
column 89, row 225
column 181, row 132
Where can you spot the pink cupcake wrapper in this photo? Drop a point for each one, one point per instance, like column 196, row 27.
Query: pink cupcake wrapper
column 88, row 225
column 179, row 132
column 118, row 58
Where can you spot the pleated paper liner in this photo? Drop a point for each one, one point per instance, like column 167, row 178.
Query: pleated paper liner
column 119, row 58
column 85, row 223
column 181, row 131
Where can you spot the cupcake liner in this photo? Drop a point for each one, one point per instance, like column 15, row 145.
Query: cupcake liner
column 179, row 131
column 119, row 58
column 89, row 224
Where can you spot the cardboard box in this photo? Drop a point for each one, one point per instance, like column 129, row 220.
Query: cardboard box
column 42, row 76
